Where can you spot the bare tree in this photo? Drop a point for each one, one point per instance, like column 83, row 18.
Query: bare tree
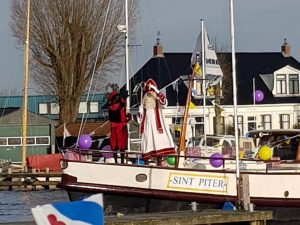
column 64, row 40
column 223, row 92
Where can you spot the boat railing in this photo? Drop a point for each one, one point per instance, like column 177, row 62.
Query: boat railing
column 190, row 162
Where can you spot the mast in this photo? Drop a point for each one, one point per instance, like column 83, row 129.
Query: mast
column 25, row 101
column 235, row 104
column 186, row 114
column 127, row 68
column 203, row 76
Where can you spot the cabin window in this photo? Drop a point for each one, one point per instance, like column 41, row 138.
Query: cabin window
column 226, row 144
column 54, row 108
column 284, row 121
column 94, row 107
column 281, row 84
column 251, row 123
column 293, row 84
column 43, row 108
column 232, row 143
column 82, row 107
column 266, row 121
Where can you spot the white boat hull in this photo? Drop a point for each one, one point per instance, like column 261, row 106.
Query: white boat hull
column 273, row 188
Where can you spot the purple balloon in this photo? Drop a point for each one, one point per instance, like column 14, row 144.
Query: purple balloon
column 216, row 160
column 85, row 141
column 259, row 96
column 108, row 154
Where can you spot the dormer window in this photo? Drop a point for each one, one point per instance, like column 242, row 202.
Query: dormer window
column 281, row 84
column 286, row 82
column 293, row 83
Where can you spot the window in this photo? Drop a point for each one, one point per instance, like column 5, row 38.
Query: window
column 281, row 84
column 54, row 108
column 177, row 123
column 221, row 124
column 3, row 141
column 240, row 124
column 251, row 123
column 199, row 126
column 82, row 107
column 42, row 140
column 14, row 141
column 284, row 121
column 266, row 121
column 293, row 84
column 30, row 140
column 94, row 107
column 43, row 108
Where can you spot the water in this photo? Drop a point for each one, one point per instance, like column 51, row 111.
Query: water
column 15, row 206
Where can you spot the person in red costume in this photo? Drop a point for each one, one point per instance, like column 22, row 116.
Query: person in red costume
column 118, row 118
column 156, row 137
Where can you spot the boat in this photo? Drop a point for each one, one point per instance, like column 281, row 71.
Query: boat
column 184, row 181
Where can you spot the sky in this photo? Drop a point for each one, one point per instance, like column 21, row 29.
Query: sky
column 260, row 26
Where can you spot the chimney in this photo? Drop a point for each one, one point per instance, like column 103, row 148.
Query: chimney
column 158, row 48
column 286, row 49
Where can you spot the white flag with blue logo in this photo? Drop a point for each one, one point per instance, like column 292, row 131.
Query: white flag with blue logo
column 213, row 71
column 84, row 212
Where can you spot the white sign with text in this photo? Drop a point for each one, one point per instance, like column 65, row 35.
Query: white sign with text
column 193, row 182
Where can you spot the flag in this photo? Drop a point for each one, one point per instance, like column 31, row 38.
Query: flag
column 213, row 70
column 66, row 132
column 192, row 106
column 84, row 212
column 197, row 69
column 217, row 105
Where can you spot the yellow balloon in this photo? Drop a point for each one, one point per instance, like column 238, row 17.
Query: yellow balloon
column 265, row 153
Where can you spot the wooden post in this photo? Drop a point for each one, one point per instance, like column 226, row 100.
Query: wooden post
column 9, row 171
column 33, row 177
column 245, row 192
column 47, row 187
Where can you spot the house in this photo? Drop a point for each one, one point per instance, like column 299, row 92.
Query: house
column 40, row 134
column 47, row 105
column 274, row 74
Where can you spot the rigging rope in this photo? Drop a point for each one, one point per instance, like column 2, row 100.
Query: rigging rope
column 94, row 69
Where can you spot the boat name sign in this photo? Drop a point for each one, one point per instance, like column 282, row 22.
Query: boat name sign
column 198, row 182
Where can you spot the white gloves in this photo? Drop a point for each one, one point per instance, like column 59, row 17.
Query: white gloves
column 154, row 88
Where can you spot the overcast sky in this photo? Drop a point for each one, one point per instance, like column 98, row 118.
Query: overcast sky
column 260, row 26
